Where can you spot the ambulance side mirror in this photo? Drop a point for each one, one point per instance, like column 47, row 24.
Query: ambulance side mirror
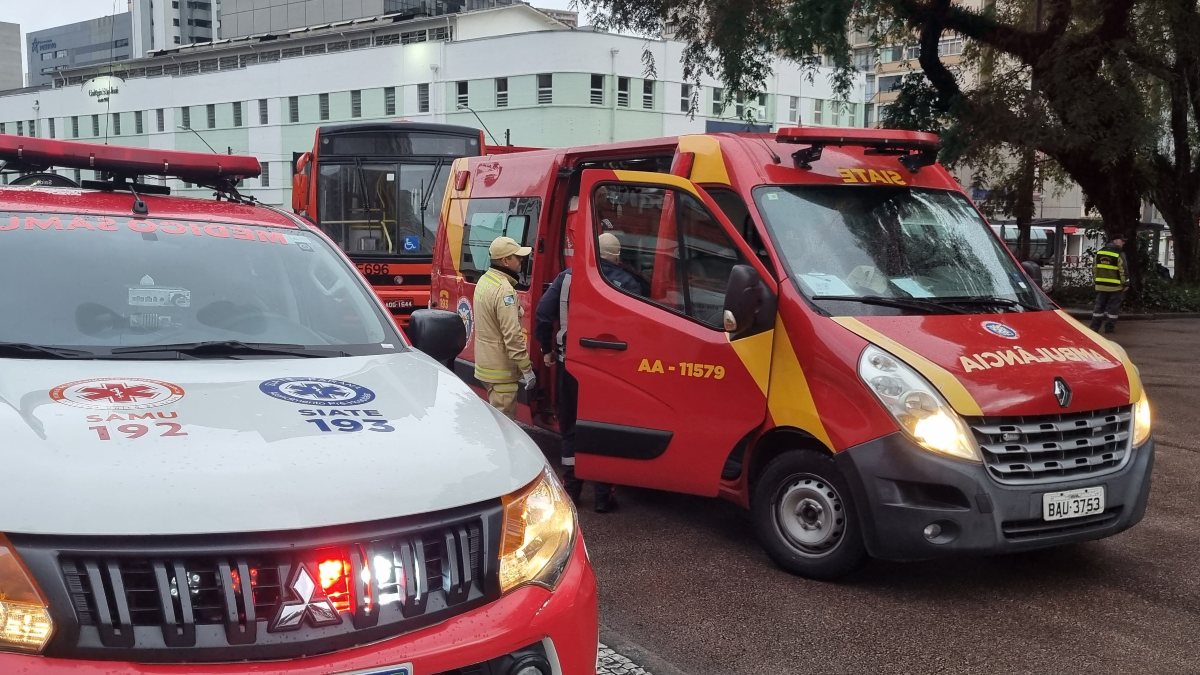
column 749, row 304
column 438, row 333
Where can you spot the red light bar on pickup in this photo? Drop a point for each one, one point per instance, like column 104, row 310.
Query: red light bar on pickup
column 194, row 167
column 915, row 148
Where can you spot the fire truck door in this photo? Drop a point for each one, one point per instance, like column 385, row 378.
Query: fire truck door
column 665, row 395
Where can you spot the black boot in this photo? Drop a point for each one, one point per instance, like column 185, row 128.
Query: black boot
column 573, row 485
column 1095, row 325
column 606, row 498
column 1110, row 327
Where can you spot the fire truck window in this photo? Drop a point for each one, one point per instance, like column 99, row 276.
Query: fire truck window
column 489, row 218
column 664, row 246
column 735, row 209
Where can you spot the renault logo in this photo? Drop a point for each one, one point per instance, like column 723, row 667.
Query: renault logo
column 1062, row 392
column 309, row 602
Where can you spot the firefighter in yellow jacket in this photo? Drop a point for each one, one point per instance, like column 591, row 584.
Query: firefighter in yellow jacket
column 501, row 354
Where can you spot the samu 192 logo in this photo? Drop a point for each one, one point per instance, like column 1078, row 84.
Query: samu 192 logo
column 997, row 328
column 316, row 391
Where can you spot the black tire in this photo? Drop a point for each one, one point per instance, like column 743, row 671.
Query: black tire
column 823, row 538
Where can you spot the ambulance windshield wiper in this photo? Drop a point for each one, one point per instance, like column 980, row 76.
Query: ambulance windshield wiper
column 918, row 304
column 218, row 349
column 986, row 300
column 26, row 350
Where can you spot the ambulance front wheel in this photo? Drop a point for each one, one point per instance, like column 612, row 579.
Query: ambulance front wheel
column 804, row 516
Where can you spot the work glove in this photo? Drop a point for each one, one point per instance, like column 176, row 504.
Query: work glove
column 529, row 380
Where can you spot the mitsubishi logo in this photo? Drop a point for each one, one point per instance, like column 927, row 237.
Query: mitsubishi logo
column 1062, row 392
column 310, row 602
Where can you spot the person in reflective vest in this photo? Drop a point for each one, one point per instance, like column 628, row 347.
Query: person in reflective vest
column 501, row 354
column 1111, row 281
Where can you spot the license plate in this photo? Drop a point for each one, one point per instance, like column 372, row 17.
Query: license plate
column 1073, row 503
column 400, row 669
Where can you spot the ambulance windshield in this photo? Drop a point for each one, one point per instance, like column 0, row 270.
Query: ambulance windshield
column 883, row 250
column 112, row 285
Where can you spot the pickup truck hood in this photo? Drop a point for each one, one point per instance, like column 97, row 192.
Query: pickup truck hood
column 122, row 447
column 1007, row 364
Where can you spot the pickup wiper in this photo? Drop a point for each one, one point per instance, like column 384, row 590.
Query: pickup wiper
column 918, row 304
column 26, row 350
column 986, row 300
column 229, row 349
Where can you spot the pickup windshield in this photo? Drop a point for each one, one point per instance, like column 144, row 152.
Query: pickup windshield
column 890, row 250
column 113, row 286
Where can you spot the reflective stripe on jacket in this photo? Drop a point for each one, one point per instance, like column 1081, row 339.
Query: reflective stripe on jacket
column 501, row 354
column 1109, row 272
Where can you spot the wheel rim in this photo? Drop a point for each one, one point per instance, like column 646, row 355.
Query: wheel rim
column 809, row 515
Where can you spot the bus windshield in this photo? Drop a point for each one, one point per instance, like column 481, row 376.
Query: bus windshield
column 381, row 207
column 887, row 250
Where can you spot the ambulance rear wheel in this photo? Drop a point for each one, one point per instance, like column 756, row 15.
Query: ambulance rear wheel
column 804, row 516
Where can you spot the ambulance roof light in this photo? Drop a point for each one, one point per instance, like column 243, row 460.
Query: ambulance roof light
column 915, row 149
column 210, row 170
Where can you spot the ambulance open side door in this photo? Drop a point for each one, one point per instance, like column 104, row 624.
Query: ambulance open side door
column 665, row 393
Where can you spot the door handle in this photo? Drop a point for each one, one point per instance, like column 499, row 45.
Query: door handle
column 615, row 345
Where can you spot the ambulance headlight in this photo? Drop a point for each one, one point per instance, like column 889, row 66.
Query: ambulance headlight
column 917, row 406
column 1141, row 420
column 25, row 623
column 539, row 532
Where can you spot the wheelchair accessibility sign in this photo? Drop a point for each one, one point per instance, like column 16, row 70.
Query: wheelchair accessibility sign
column 412, row 243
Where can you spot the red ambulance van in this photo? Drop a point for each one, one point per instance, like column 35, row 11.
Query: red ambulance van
column 831, row 336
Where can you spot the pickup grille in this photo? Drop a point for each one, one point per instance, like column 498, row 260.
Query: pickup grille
column 1054, row 448
column 157, row 600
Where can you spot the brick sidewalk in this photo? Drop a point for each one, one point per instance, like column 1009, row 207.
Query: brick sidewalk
column 612, row 663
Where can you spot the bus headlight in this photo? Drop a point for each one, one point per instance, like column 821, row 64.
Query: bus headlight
column 916, row 405
column 25, row 623
column 539, row 531
column 1142, row 420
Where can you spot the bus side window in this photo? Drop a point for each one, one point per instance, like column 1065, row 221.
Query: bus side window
column 735, row 209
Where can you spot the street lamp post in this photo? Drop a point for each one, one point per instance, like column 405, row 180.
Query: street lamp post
column 464, row 106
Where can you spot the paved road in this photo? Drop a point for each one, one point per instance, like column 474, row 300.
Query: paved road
column 683, row 579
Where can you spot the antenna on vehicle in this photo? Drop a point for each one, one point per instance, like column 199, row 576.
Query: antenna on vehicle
column 774, row 157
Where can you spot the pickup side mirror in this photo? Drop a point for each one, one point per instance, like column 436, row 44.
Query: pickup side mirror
column 438, row 333
column 749, row 304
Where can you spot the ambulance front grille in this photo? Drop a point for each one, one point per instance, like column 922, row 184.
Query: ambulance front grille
column 1054, row 448
column 176, row 599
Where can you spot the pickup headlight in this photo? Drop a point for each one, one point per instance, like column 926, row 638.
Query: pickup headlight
column 1141, row 420
column 25, row 623
column 539, row 532
column 916, row 405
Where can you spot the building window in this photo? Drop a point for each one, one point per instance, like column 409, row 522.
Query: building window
column 187, row 116
column 889, row 83
column 818, row 111
column 323, row 105
column 211, row 112
column 264, row 179
column 794, row 109
column 116, row 124
column 718, row 101
column 648, row 94
column 21, row 129
column 868, row 115
column 864, row 58
column 461, row 98
column 597, row 90
column 501, row 92
column 851, row 110
column 262, row 111
column 623, row 92
column 95, row 125
column 237, row 113
column 389, row 100
column 160, row 120
column 545, row 88
column 293, row 109
column 138, row 127
column 423, row 98
column 685, row 98
column 356, row 103
column 52, row 134
column 33, row 128
column 950, row 47
column 74, row 126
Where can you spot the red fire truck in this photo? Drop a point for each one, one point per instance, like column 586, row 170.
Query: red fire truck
column 828, row 334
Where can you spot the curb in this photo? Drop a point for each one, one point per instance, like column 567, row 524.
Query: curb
column 1080, row 313
column 637, row 653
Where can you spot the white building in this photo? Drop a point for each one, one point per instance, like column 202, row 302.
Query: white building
column 526, row 75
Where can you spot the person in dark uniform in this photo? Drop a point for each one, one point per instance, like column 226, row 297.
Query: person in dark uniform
column 553, row 307
column 614, row 270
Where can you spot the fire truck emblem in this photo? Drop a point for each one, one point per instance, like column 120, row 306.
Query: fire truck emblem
column 309, row 602
column 104, row 393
